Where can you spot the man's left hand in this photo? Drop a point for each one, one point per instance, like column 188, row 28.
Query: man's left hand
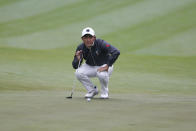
column 105, row 68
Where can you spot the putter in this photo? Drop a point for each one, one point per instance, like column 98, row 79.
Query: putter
column 74, row 82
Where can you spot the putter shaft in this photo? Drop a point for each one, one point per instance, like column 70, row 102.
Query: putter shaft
column 72, row 91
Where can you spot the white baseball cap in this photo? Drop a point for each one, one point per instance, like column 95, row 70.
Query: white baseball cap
column 88, row 30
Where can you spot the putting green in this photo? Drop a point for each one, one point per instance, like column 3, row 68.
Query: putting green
column 49, row 110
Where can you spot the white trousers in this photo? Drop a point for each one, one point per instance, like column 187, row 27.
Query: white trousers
column 85, row 71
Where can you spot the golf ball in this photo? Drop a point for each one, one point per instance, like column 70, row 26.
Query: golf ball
column 88, row 99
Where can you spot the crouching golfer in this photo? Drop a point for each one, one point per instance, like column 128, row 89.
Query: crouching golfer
column 100, row 57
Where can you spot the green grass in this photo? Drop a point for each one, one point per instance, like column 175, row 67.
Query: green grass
column 152, row 87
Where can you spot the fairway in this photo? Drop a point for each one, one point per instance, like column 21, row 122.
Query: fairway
column 152, row 88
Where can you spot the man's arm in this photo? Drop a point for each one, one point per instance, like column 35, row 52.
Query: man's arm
column 77, row 58
column 113, row 55
column 112, row 52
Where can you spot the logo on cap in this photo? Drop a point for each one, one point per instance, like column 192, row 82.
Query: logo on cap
column 88, row 30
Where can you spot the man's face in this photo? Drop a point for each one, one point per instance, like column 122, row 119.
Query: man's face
column 88, row 40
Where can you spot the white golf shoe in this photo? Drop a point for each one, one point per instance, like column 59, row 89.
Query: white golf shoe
column 104, row 95
column 92, row 93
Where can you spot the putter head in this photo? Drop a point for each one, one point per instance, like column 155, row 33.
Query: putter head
column 69, row 97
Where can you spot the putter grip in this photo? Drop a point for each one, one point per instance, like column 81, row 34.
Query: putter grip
column 81, row 57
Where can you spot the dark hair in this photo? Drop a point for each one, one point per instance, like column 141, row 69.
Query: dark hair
column 87, row 35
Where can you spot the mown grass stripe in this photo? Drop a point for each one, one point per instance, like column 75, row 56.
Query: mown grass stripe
column 27, row 8
column 180, row 44
column 147, row 33
column 103, row 24
column 8, row 2
column 60, row 16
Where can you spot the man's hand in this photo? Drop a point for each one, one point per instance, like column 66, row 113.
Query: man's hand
column 105, row 68
column 78, row 54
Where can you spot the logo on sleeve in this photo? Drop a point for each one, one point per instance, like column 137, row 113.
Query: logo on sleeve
column 107, row 45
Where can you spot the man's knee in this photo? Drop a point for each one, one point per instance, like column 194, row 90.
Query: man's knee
column 103, row 75
column 79, row 74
